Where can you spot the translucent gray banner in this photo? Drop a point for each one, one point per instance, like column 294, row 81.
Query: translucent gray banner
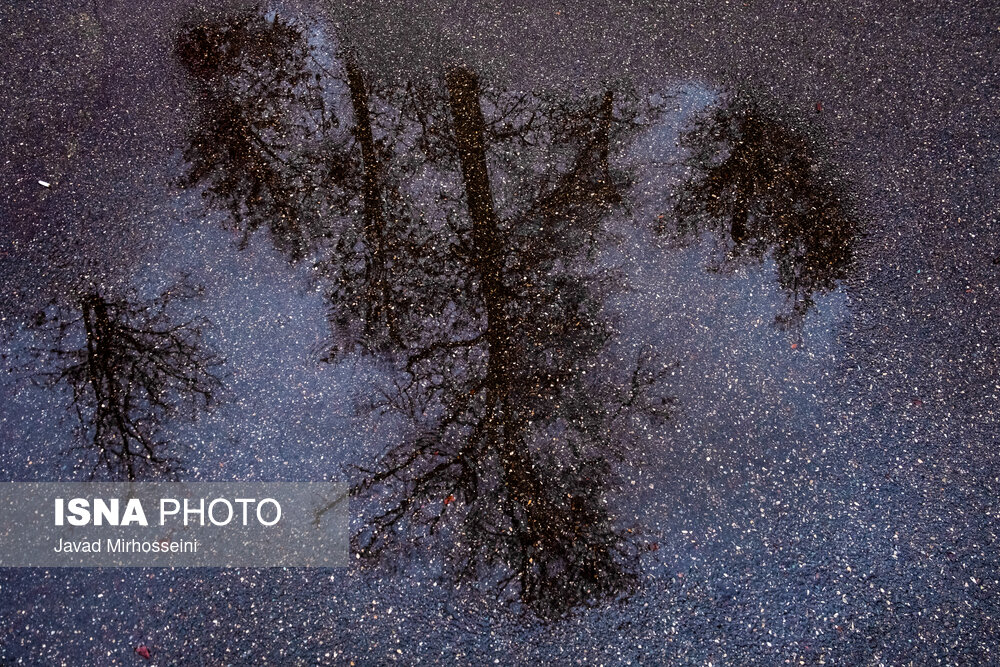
column 279, row 524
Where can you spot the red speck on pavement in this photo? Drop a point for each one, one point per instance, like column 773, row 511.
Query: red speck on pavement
column 143, row 651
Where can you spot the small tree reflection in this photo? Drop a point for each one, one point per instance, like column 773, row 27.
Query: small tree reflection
column 130, row 367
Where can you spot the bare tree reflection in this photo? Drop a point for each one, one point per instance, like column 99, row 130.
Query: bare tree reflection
column 758, row 187
column 130, row 367
column 517, row 427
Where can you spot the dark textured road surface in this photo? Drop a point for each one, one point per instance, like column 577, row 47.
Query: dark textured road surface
column 647, row 334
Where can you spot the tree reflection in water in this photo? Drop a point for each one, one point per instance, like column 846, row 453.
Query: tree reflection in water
column 372, row 306
column 517, row 425
column 492, row 317
column 456, row 231
column 265, row 146
column 131, row 367
column 758, row 188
